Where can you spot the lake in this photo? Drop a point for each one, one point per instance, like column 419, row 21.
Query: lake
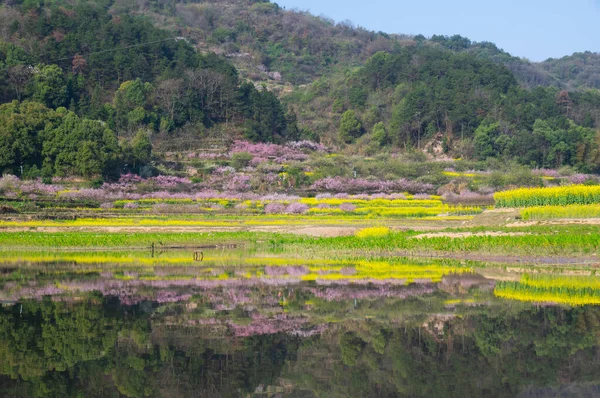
column 234, row 323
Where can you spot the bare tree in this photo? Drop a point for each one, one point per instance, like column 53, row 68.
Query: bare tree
column 213, row 91
column 169, row 93
column 19, row 76
column 78, row 65
column 8, row 16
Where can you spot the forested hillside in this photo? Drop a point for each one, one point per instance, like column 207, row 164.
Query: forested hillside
column 577, row 71
column 270, row 43
column 91, row 87
column 79, row 76
column 474, row 107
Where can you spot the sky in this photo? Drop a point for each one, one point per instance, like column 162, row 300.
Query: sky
column 532, row 29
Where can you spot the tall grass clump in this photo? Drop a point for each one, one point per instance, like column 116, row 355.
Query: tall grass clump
column 553, row 196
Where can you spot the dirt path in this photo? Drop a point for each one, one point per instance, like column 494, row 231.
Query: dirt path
column 562, row 221
column 316, row 231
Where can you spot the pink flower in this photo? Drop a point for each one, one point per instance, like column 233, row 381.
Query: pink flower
column 296, row 208
column 274, row 208
column 347, row 207
column 343, row 185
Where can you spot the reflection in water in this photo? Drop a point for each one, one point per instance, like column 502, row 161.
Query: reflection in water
column 569, row 290
column 105, row 325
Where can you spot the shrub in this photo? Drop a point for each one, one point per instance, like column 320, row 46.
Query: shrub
column 241, row 160
column 274, row 208
column 341, row 184
column 9, row 182
column 296, row 208
column 5, row 209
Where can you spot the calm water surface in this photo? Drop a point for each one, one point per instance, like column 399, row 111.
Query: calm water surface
column 238, row 324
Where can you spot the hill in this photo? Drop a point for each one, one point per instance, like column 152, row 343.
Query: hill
column 577, row 71
column 118, row 79
column 65, row 66
column 269, row 43
column 318, row 68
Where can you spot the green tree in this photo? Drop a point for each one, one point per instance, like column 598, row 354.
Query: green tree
column 20, row 125
column 79, row 147
column 379, row 133
column 266, row 119
column 49, row 86
column 485, row 136
column 131, row 102
column 350, row 127
column 141, row 147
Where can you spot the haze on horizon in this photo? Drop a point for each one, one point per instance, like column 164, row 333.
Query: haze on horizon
column 533, row 29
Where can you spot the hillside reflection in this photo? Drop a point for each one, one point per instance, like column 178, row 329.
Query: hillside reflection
column 257, row 327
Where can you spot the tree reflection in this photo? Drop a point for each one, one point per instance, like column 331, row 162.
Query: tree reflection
column 97, row 347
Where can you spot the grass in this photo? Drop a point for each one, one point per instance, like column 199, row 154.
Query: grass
column 123, row 240
column 568, row 240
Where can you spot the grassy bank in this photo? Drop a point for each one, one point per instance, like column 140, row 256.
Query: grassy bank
column 531, row 241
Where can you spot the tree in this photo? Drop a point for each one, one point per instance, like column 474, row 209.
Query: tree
column 19, row 76
column 350, row 127
column 379, row 134
column 79, row 147
column 78, row 65
column 20, row 125
column 210, row 94
column 49, row 86
column 169, row 94
column 141, row 147
column 130, row 103
column 377, row 70
column 485, row 136
column 266, row 119
column 291, row 133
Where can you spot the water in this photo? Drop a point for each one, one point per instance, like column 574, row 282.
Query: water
column 239, row 324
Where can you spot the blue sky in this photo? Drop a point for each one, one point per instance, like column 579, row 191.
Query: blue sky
column 534, row 29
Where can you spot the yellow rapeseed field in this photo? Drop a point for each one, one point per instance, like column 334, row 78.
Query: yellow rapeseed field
column 553, row 212
column 553, row 196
